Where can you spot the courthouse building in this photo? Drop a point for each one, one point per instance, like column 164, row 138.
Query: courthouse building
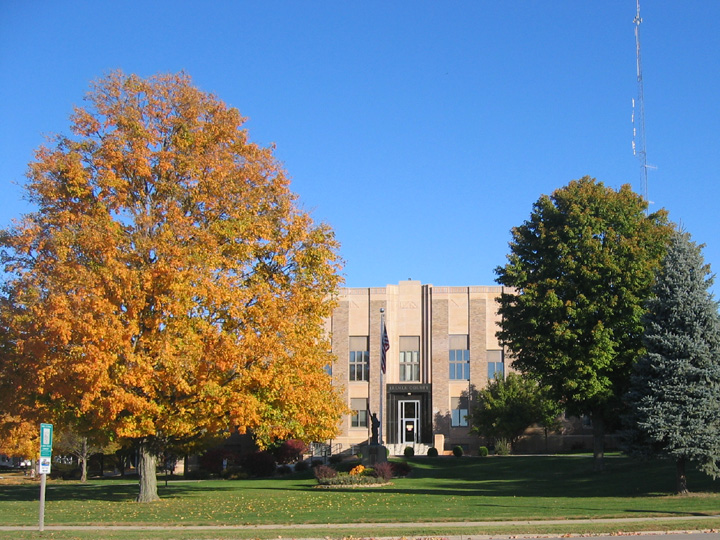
column 442, row 348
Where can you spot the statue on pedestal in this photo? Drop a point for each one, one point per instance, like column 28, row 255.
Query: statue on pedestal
column 375, row 429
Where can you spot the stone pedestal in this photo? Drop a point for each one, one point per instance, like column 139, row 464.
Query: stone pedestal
column 374, row 454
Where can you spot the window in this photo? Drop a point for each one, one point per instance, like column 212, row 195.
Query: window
column 359, row 358
column 459, row 358
column 458, row 411
column 496, row 367
column 360, row 412
column 409, row 359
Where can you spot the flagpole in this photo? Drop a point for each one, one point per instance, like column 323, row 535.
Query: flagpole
column 382, row 373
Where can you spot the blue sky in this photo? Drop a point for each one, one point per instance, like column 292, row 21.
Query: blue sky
column 421, row 131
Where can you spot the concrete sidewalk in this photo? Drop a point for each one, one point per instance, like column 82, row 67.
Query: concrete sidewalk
column 379, row 526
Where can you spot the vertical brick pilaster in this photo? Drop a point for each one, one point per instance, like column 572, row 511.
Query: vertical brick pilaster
column 341, row 347
column 440, row 370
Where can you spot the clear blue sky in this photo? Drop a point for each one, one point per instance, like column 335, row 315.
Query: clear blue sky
column 421, row 131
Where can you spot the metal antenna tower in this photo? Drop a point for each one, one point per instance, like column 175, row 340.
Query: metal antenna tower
column 639, row 148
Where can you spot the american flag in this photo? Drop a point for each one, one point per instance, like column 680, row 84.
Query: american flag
column 384, row 349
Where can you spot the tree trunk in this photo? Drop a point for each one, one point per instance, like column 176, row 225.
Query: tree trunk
column 681, row 477
column 598, row 441
column 83, row 460
column 148, row 474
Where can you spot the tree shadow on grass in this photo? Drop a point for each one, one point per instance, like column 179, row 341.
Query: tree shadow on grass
column 107, row 491
column 513, row 476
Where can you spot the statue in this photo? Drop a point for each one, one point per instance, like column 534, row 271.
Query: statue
column 375, row 429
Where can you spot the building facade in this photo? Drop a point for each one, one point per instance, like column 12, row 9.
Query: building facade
column 442, row 348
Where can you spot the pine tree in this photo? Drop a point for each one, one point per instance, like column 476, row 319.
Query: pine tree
column 675, row 388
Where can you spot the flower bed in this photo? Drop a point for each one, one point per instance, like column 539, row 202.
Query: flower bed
column 347, row 480
column 359, row 475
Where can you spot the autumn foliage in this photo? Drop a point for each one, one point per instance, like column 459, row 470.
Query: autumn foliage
column 168, row 285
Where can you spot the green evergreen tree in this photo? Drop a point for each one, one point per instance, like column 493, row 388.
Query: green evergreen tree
column 675, row 387
column 579, row 272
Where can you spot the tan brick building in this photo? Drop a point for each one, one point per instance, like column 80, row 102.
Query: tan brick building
column 442, row 348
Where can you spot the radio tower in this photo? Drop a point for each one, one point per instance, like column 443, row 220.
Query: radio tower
column 639, row 148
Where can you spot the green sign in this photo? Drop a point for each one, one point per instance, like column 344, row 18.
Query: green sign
column 46, row 436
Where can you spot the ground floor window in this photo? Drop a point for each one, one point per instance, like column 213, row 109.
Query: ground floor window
column 496, row 366
column 459, row 411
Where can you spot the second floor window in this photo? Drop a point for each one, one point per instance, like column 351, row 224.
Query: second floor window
column 409, row 359
column 459, row 358
column 359, row 358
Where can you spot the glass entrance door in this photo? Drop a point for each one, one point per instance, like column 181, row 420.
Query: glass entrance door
column 409, row 421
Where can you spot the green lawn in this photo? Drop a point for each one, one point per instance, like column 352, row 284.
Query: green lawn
column 438, row 490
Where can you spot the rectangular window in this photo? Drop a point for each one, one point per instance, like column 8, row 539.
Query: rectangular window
column 359, row 358
column 459, row 358
column 410, row 359
column 459, row 411
column 496, row 366
column 359, row 407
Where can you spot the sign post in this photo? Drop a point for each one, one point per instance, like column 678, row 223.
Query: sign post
column 46, row 436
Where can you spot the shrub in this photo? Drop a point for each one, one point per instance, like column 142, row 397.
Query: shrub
column 317, row 462
column 324, row 471
column 432, row 452
column 197, row 475
column 483, row 451
column 259, row 464
column 409, row 451
column 65, row 471
column 347, row 465
column 336, row 458
column 290, row 451
column 345, row 479
column 458, row 451
column 213, row 460
column 301, row 466
column 358, row 470
column 383, row 471
column 400, row 468
column 234, row 473
column 502, row 447
column 284, row 469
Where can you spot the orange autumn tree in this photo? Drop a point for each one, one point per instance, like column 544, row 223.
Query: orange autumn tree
column 168, row 286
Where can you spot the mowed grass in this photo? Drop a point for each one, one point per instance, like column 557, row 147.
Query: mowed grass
column 438, row 490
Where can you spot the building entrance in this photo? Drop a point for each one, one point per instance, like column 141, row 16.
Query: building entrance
column 409, row 414
column 409, row 421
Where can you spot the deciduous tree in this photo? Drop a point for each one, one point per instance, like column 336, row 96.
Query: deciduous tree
column 675, row 391
column 507, row 407
column 168, row 284
column 68, row 442
column 578, row 272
